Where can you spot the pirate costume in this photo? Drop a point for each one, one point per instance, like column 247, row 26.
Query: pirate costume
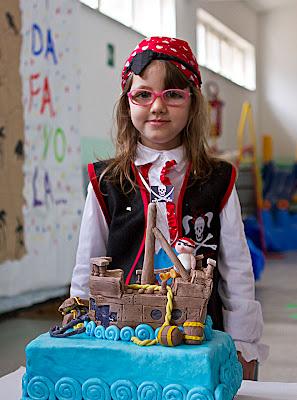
column 209, row 214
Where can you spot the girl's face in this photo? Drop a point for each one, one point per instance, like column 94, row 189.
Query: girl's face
column 159, row 125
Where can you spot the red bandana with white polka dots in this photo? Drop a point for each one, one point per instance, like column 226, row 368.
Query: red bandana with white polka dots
column 174, row 50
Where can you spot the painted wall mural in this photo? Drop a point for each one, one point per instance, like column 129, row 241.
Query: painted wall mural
column 41, row 178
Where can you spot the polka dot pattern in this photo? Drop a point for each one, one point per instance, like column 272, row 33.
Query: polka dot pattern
column 171, row 47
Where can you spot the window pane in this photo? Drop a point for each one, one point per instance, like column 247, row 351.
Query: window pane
column 147, row 17
column 90, row 3
column 213, row 51
column 201, row 40
column 168, row 20
column 226, row 58
column 224, row 51
column 238, row 66
column 250, row 70
column 121, row 10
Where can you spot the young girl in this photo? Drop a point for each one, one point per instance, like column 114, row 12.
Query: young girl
column 161, row 155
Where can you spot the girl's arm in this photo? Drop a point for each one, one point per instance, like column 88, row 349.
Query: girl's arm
column 92, row 243
column 242, row 313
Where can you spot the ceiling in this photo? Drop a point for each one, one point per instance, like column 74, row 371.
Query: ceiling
column 268, row 5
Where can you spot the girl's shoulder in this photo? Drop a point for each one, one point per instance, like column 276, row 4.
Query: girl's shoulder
column 97, row 174
column 110, row 174
column 220, row 168
column 100, row 166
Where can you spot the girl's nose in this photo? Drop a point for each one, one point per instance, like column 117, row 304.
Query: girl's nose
column 158, row 105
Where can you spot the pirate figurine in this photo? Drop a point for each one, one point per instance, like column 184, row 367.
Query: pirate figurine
column 185, row 248
column 73, row 308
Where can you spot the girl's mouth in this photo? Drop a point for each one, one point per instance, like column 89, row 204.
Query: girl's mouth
column 158, row 122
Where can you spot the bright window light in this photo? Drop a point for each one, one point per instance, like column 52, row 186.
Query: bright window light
column 120, row 10
column 213, row 50
column 149, row 17
column 224, row 52
column 201, row 37
column 91, row 3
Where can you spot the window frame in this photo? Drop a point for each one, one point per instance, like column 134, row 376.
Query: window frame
column 244, row 76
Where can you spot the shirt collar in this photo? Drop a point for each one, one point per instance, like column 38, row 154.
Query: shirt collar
column 145, row 155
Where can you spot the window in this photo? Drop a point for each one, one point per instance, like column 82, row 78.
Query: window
column 91, row 3
column 224, row 52
column 149, row 17
column 120, row 10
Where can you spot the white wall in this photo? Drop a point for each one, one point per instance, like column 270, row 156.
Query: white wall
column 100, row 83
column 241, row 20
column 278, row 79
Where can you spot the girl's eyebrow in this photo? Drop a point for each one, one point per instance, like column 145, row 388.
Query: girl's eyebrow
column 143, row 87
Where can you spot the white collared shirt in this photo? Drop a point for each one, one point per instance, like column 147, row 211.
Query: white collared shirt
column 242, row 314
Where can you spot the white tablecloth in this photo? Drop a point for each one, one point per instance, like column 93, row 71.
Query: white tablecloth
column 11, row 389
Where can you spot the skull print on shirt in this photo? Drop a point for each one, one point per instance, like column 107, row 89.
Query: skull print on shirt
column 201, row 229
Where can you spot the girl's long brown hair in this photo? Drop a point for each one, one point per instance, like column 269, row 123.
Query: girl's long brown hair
column 193, row 137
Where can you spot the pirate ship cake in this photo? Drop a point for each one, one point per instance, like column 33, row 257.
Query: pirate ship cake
column 138, row 340
column 182, row 304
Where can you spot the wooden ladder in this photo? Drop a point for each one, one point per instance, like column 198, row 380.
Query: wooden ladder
column 248, row 165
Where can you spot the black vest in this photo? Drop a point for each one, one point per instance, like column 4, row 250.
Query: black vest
column 198, row 214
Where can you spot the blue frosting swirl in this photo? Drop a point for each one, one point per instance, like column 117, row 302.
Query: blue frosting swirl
column 222, row 393
column 208, row 328
column 90, row 328
column 231, row 373
column 95, row 389
column 126, row 333
column 25, row 381
column 226, row 373
column 174, row 391
column 149, row 391
column 237, row 371
column 99, row 332
column 200, row 393
column 112, row 333
column 238, row 376
column 123, row 390
column 41, row 388
column 144, row 332
column 68, row 389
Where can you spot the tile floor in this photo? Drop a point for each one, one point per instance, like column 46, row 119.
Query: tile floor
column 277, row 291
column 16, row 332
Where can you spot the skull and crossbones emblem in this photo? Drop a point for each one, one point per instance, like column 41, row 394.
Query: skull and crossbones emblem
column 162, row 190
column 199, row 226
column 162, row 193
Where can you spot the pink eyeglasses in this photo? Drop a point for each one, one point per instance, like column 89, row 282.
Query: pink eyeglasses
column 171, row 97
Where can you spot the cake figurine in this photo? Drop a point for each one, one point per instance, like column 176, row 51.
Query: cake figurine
column 73, row 308
column 185, row 248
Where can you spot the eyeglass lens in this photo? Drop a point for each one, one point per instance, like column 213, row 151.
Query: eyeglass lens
column 170, row 96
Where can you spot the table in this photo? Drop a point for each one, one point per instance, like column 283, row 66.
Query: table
column 11, row 389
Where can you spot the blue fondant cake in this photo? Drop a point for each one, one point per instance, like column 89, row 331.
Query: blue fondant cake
column 83, row 367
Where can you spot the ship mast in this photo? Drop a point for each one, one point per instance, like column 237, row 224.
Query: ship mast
column 153, row 233
column 147, row 276
column 170, row 253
